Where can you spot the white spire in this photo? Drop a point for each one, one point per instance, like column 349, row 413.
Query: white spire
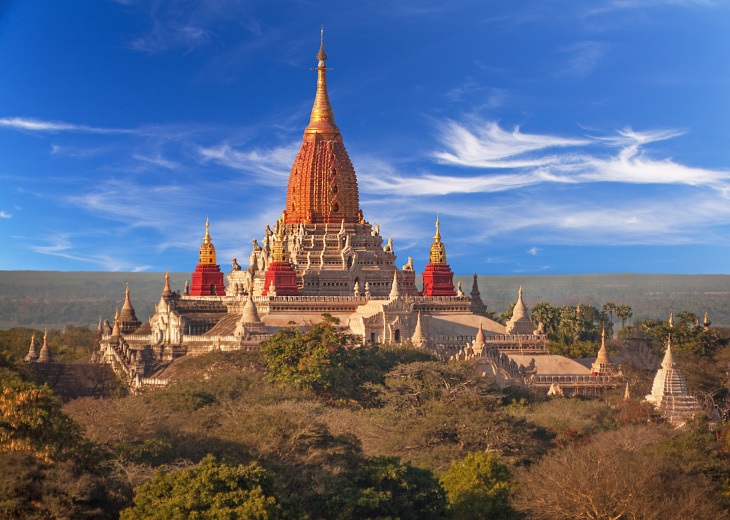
column 394, row 292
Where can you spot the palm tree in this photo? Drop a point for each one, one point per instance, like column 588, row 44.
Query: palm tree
column 624, row 312
column 610, row 308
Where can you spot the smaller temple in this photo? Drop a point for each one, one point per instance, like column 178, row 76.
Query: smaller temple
column 32, row 351
column 669, row 391
column 477, row 304
column 706, row 322
column 45, row 355
column 438, row 279
column 281, row 277
column 128, row 321
column 207, row 278
column 520, row 322
column 602, row 365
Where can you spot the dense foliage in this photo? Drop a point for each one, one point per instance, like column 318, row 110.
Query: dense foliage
column 211, row 490
column 405, row 437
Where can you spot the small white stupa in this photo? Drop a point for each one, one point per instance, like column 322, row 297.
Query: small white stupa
column 669, row 391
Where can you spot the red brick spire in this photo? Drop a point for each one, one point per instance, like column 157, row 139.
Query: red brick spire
column 322, row 183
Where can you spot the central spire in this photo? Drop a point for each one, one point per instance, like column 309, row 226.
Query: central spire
column 322, row 120
column 322, row 183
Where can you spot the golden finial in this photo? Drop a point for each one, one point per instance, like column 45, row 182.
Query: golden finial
column 671, row 318
column 116, row 314
column 520, row 291
column 167, row 274
column 321, row 55
column 603, row 335
column 207, row 250
column 438, row 249
column 707, row 318
column 127, row 290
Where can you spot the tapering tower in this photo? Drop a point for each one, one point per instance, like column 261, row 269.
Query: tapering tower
column 330, row 245
column 280, row 272
column 669, row 391
column 322, row 184
column 438, row 280
column 32, row 351
column 45, row 355
column 477, row 304
column 128, row 321
column 207, row 278
column 520, row 322
column 603, row 365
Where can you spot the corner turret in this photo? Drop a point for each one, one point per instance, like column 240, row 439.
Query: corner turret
column 438, row 279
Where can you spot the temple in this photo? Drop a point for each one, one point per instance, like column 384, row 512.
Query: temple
column 323, row 256
column 669, row 391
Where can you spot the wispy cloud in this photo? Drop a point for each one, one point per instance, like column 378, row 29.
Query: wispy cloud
column 487, row 145
column 272, row 165
column 38, row 125
column 157, row 160
column 61, row 245
column 532, row 251
column 4, row 214
column 583, row 58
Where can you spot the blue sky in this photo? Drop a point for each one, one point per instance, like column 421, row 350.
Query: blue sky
column 552, row 137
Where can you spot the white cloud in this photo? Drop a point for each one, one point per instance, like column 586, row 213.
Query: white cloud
column 157, row 160
column 584, row 57
column 272, row 165
column 37, row 125
column 4, row 214
column 532, row 251
column 486, row 145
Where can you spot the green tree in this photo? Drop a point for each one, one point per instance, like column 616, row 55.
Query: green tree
column 543, row 313
column 210, row 490
column 507, row 315
column 31, row 421
column 624, row 312
column 685, row 335
column 610, row 308
column 317, row 360
column 478, row 487
column 388, row 489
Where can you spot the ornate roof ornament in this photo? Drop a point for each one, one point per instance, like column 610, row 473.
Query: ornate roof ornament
column 438, row 249
column 671, row 319
column 207, row 249
column 166, row 292
column 394, row 291
column 280, row 253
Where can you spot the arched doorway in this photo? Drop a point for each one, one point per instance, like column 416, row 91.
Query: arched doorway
column 397, row 335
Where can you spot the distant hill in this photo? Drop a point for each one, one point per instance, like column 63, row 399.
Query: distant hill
column 53, row 299
column 649, row 295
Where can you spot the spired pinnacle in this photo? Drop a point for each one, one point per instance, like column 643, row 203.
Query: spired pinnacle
column 668, row 361
column 394, row 291
column 438, row 249
column 321, row 55
column 322, row 120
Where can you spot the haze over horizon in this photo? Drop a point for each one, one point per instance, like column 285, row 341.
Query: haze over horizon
column 551, row 139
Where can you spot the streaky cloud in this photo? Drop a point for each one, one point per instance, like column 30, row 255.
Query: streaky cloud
column 487, row 145
column 37, row 125
column 272, row 165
